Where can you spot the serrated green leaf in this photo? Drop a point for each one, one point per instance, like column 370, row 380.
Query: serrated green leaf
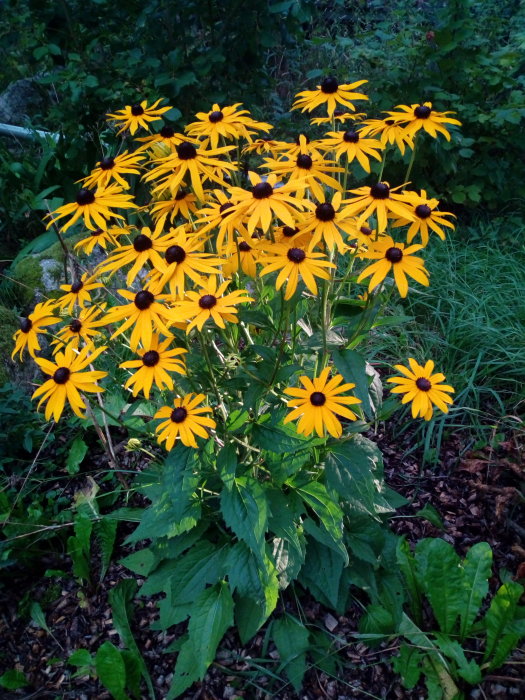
column 245, row 511
column 120, row 599
column 469, row 670
column 477, row 567
column 352, row 366
column 212, row 614
column 111, row 670
column 81, row 657
column 133, row 673
column 141, row 562
column 500, row 614
column 407, row 566
column 430, row 513
column 442, row 578
column 38, row 617
column 315, row 495
column 106, row 531
column 321, row 573
column 270, row 434
column 291, row 639
column 227, row 465
column 407, row 664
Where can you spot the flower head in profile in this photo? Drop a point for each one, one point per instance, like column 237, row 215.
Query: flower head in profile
column 113, row 168
column 31, row 326
column 182, row 204
column 393, row 256
column 183, row 421
column 422, row 116
column 78, row 293
column 329, row 93
column 389, row 132
column 207, row 302
column 319, row 405
column 293, row 265
column 423, row 388
column 156, row 361
column 68, row 380
column 138, row 115
column 167, row 138
column 350, row 144
column 94, row 206
column 339, row 116
column 230, row 123
column 102, row 237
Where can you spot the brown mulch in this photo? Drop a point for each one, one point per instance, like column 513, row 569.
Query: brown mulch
column 479, row 497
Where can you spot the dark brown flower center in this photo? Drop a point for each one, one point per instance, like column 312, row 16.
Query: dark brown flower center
column 178, row 415
column 317, row 398
column 215, row 117
column 61, row 375
column 389, row 122
column 351, row 136
column 288, row 231
column 77, row 286
column 181, row 194
column 167, row 132
column 423, row 211
column 422, row 112
column 85, row 197
column 186, row 151
column 144, row 299
column 244, row 247
column 75, row 325
column 296, row 255
column 107, row 163
column 329, row 85
column 366, row 231
column 380, row 191
column 208, row 301
column 25, row 325
column 225, row 209
column 142, row 243
column 150, row 358
column 325, row 212
column 175, row 254
column 423, row 384
column 262, row 190
column 137, row 110
column 394, row 254
column 304, row 161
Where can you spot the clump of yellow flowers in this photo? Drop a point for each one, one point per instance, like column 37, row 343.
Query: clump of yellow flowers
column 193, row 270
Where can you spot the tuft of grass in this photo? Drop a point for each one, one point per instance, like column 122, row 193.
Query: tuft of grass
column 471, row 322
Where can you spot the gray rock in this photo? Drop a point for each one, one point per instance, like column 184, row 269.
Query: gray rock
column 20, row 101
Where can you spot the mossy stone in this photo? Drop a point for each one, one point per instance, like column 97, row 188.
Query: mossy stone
column 9, row 324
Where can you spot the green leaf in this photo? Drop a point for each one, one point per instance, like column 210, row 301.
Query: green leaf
column 500, row 614
column 78, row 547
column 407, row 664
column 245, row 511
column 354, row 470
column 442, row 578
column 227, row 465
column 133, row 673
column 321, row 573
column 212, row 614
column 352, row 366
column 469, row 670
column 106, row 531
column 120, row 599
column 315, row 495
column 291, row 639
column 81, row 658
column 13, row 679
column 430, row 513
column 377, row 620
column 477, row 566
column 76, row 454
column 141, row 562
column 111, row 670
column 270, row 434
column 38, row 617
column 245, row 572
column 250, row 616
column 407, row 566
